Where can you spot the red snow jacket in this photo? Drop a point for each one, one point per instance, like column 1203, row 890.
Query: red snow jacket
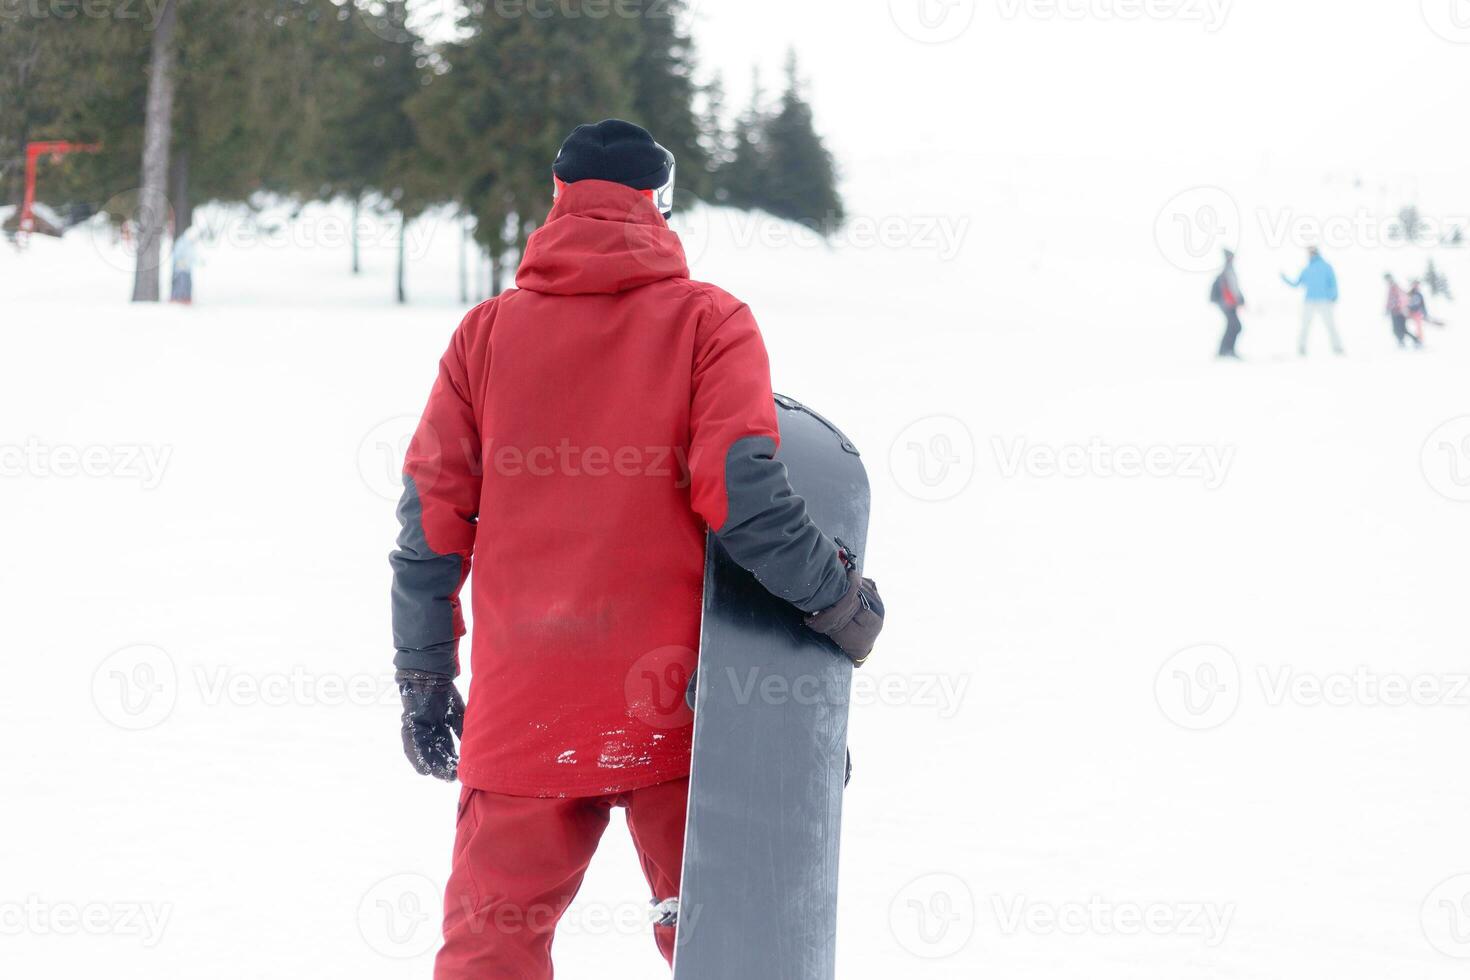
column 584, row 431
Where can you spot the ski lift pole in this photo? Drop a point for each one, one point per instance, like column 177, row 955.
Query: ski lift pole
column 56, row 149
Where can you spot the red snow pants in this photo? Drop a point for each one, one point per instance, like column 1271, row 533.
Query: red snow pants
column 518, row 862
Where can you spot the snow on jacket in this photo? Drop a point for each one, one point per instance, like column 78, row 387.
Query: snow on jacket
column 1319, row 279
column 584, row 431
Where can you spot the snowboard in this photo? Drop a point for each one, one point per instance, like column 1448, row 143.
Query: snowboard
column 759, row 891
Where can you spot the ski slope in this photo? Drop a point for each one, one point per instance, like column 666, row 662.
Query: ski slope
column 1088, row 746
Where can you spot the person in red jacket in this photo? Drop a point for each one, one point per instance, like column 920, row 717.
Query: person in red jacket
column 1397, row 308
column 586, row 428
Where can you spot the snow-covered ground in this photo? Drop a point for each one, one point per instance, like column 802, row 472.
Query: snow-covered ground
column 1174, row 682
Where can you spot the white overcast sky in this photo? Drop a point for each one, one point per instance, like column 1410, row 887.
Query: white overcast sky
column 1310, row 85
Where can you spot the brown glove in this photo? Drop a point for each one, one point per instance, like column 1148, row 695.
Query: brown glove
column 856, row 619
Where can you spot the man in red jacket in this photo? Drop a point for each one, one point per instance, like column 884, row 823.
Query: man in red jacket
column 584, row 431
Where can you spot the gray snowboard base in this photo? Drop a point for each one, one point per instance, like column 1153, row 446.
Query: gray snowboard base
column 759, row 893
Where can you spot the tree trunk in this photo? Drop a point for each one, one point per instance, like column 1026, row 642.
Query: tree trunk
column 495, row 273
column 178, row 182
column 356, row 256
column 402, row 235
column 22, row 137
column 464, row 259
column 157, row 130
column 22, row 115
column 18, row 184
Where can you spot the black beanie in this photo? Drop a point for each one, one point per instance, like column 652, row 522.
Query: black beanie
column 617, row 151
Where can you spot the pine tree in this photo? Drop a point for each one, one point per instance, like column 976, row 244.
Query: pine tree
column 740, row 180
column 1437, row 282
column 800, row 179
column 32, row 93
column 715, row 138
column 664, row 93
column 102, row 104
column 243, row 118
column 1411, row 223
column 492, row 118
column 363, row 141
column 240, row 113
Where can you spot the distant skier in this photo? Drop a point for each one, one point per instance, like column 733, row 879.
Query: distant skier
column 1419, row 310
column 1320, row 282
column 1397, row 308
column 1225, row 293
column 185, row 257
column 585, row 430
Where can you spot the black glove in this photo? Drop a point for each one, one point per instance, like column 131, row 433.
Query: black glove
column 856, row 619
column 432, row 708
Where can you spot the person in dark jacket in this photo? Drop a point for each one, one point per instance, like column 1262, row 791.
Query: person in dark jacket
column 586, row 428
column 1418, row 310
column 1226, row 294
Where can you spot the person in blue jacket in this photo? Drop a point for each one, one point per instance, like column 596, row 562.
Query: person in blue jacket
column 1320, row 282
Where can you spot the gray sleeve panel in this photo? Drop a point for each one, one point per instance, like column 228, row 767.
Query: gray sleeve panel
column 425, row 585
column 768, row 533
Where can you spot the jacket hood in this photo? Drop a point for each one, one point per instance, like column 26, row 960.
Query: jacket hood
column 600, row 237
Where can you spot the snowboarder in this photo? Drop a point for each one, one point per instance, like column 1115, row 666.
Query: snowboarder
column 584, row 430
column 185, row 258
column 1225, row 293
column 1320, row 282
column 1398, row 312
